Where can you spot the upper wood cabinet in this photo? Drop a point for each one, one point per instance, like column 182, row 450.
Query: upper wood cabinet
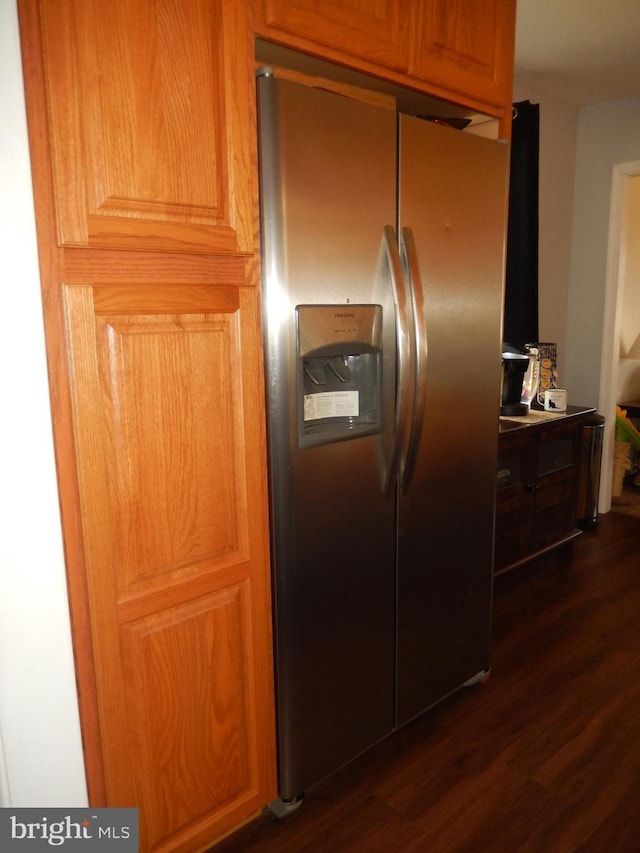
column 465, row 46
column 376, row 32
column 461, row 50
column 150, row 131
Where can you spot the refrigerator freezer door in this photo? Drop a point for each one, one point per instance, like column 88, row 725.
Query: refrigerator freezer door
column 328, row 187
column 453, row 195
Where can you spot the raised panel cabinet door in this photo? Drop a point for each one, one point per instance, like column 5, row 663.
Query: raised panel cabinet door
column 150, row 115
column 167, row 414
column 558, row 475
column 555, row 513
column 364, row 30
column 514, row 501
column 515, row 498
column 465, row 47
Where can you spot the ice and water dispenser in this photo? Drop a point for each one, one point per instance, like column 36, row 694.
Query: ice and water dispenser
column 339, row 372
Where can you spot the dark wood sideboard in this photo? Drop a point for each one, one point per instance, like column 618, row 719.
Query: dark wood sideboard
column 538, row 482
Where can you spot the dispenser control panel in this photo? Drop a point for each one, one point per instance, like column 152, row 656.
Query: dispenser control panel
column 339, row 372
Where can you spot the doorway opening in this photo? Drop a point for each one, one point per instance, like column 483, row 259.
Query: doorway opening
column 624, row 232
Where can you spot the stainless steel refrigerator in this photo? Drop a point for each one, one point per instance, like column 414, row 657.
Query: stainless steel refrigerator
column 383, row 242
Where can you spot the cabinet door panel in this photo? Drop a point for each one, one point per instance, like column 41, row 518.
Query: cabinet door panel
column 167, row 421
column 181, row 497
column 186, row 684
column 369, row 31
column 512, row 526
column 514, row 499
column 555, row 515
column 465, row 46
column 558, row 473
column 150, row 125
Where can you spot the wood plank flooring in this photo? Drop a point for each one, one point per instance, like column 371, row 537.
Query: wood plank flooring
column 545, row 756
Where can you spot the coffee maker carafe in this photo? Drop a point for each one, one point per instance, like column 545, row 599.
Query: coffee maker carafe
column 514, row 366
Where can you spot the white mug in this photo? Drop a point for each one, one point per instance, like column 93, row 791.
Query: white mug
column 555, row 400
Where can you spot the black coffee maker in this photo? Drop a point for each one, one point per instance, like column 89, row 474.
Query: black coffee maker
column 514, row 366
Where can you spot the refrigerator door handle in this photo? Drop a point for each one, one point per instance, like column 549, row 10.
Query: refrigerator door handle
column 405, row 382
column 410, row 258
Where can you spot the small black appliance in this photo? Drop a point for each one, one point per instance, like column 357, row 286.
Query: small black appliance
column 514, row 367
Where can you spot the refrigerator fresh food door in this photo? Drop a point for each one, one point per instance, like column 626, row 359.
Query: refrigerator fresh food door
column 452, row 198
column 328, row 188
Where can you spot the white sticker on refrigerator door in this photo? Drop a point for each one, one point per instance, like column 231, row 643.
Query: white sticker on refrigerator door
column 331, row 404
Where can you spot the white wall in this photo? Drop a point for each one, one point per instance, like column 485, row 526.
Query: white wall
column 608, row 133
column 578, row 149
column 42, row 765
column 558, row 140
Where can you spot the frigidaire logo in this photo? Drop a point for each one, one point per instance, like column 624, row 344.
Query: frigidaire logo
column 75, row 829
column 344, row 315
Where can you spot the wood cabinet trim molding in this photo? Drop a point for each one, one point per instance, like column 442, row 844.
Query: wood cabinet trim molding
column 108, row 266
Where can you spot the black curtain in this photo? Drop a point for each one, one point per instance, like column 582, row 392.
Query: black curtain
column 521, row 291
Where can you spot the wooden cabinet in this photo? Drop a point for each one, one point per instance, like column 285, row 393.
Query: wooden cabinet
column 165, row 395
column 145, row 206
column 538, row 482
column 374, row 33
column 466, row 47
column 460, row 50
column 150, row 123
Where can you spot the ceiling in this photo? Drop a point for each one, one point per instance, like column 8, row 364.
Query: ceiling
column 579, row 51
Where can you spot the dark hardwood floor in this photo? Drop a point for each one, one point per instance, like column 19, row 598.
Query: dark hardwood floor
column 545, row 756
